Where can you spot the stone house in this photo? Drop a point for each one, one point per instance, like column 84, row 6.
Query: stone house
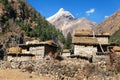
column 66, row 53
column 36, row 51
column 88, row 44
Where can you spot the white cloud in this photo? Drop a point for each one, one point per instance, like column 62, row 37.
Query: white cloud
column 90, row 11
column 106, row 16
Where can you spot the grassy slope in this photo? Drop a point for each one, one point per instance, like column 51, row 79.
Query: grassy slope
column 115, row 38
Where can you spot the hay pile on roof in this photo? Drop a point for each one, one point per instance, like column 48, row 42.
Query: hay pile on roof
column 66, row 51
column 105, row 33
column 85, row 40
column 14, row 50
column 50, row 42
column 33, row 42
column 116, row 48
column 82, row 32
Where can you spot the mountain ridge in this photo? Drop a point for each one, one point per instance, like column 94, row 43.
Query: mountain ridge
column 66, row 22
column 110, row 24
column 61, row 12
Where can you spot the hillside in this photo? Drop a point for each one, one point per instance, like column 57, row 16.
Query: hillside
column 111, row 25
column 66, row 22
column 19, row 20
column 115, row 38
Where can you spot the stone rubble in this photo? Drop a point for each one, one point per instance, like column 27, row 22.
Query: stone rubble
column 68, row 69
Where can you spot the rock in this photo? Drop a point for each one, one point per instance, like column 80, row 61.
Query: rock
column 68, row 69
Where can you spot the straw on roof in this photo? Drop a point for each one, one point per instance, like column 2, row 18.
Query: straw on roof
column 105, row 33
column 14, row 50
column 82, row 32
column 86, row 40
column 66, row 51
column 116, row 48
column 50, row 42
column 33, row 42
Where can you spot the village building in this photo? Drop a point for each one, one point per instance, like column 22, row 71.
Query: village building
column 32, row 51
column 86, row 43
column 66, row 53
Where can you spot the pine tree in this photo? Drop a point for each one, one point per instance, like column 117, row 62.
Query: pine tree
column 68, row 42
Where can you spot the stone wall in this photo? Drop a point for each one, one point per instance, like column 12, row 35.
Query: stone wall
column 65, row 54
column 38, row 52
column 102, row 40
column 19, row 58
column 99, row 58
column 84, row 50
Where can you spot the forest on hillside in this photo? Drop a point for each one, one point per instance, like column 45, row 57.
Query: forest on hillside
column 22, row 20
column 115, row 38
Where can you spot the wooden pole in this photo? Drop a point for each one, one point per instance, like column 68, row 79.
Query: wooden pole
column 101, row 48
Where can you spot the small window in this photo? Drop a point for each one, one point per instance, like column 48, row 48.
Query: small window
column 86, row 46
column 28, row 49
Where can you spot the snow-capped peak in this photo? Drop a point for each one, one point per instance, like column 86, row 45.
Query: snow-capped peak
column 61, row 12
column 65, row 21
column 61, row 9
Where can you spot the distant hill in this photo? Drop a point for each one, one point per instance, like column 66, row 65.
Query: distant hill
column 66, row 22
column 18, row 19
column 111, row 25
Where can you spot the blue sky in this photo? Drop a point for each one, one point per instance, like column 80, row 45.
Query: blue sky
column 94, row 10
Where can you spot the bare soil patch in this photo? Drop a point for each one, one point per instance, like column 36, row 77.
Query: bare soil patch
column 16, row 74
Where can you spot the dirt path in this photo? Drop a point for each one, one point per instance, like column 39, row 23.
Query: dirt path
column 16, row 74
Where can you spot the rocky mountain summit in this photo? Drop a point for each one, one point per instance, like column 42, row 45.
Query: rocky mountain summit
column 61, row 14
column 66, row 22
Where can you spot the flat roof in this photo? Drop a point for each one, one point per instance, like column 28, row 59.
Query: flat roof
column 91, row 44
column 91, row 35
column 20, row 54
column 87, row 40
column 37, row 44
